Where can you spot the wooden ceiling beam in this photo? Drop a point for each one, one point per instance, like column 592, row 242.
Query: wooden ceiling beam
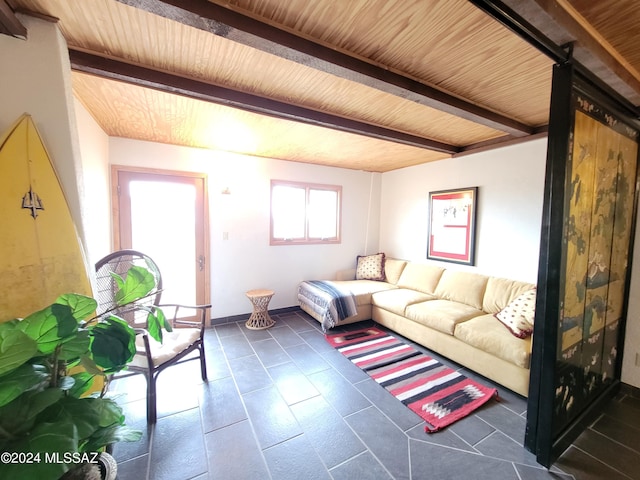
column 587, row 36
column 508, row 140
column 245, row 30
column 562, row 24
column 94, row 64
column 9, row 23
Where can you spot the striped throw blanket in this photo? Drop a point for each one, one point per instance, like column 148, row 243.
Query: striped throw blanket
column 324, row 297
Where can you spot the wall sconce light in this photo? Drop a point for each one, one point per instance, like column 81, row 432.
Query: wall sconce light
column 226, row 191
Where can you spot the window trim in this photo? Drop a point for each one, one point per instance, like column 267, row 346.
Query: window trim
column 307, row 240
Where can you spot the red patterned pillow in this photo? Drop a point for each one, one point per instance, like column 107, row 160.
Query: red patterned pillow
column 370, row 267
column 519, row 314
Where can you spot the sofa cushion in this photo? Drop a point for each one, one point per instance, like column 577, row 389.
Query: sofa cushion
column 485, row 333
column 370, row 267
column 462, row 287
column 398, row 299
column 518, row 316
column 501, row 291
column 393, row 269
column 442, row 315
column 421, row 277
column 362, row 289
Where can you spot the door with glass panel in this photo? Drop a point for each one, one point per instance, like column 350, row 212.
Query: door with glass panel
column 163, row 214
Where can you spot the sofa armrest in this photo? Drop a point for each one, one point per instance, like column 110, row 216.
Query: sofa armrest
column 346, row 274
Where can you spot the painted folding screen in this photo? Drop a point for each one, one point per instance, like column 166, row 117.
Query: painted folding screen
column 585, row 263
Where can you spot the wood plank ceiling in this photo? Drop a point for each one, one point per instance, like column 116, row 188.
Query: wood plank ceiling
column 373, row 85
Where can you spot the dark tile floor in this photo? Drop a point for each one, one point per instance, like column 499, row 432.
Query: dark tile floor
column 282, row 404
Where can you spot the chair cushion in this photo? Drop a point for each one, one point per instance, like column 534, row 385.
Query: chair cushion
column 172, row 344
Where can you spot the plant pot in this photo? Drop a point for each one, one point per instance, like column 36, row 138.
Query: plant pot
column 105, row 469
column 108, row 466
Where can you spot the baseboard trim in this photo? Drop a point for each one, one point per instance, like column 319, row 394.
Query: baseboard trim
column 630, row 390
column 245, row 316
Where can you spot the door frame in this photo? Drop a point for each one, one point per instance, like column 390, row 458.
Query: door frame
column 116, row 213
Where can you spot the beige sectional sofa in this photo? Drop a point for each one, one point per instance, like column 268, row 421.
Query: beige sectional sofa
column 449, row 311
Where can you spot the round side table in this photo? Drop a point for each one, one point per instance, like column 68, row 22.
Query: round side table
column 260, row 318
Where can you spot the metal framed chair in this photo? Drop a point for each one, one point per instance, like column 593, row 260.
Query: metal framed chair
column 152, row 357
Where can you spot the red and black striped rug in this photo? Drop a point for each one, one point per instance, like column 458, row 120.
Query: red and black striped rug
column 438, row 394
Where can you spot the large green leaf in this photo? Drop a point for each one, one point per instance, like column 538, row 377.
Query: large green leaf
column 110, row 435
column 67, row 322
column 110, row 412
column 20, row 380
column 156, row 322
column 90, row 366
column 51, row 438
column 98, row 421
column 154, row 327
column 118, row 279
column 16, row 348
column 113, row 344
column 20, row 414
column 9, row 324
column 83, row 382
column 76, row 347
column 49, row 326
column 84, row 413
column 137, row 284
column 81, row 305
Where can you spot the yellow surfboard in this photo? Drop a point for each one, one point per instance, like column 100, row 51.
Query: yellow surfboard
column 40, row 251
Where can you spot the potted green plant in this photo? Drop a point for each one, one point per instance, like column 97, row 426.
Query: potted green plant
column 50, row 423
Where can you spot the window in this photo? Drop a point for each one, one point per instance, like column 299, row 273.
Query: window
column 304, row 213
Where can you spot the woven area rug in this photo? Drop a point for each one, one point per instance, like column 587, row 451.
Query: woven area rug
column 438, row 394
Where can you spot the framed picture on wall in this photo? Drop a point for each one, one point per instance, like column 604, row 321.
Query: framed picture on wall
column 452, row 222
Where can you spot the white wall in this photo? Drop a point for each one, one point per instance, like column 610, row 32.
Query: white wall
column 509, row 215
column 630, row 370
column 94, row 151
column 246, row 260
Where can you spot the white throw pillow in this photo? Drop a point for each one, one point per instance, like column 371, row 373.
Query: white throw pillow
column 370, row 267
column 518, row 316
